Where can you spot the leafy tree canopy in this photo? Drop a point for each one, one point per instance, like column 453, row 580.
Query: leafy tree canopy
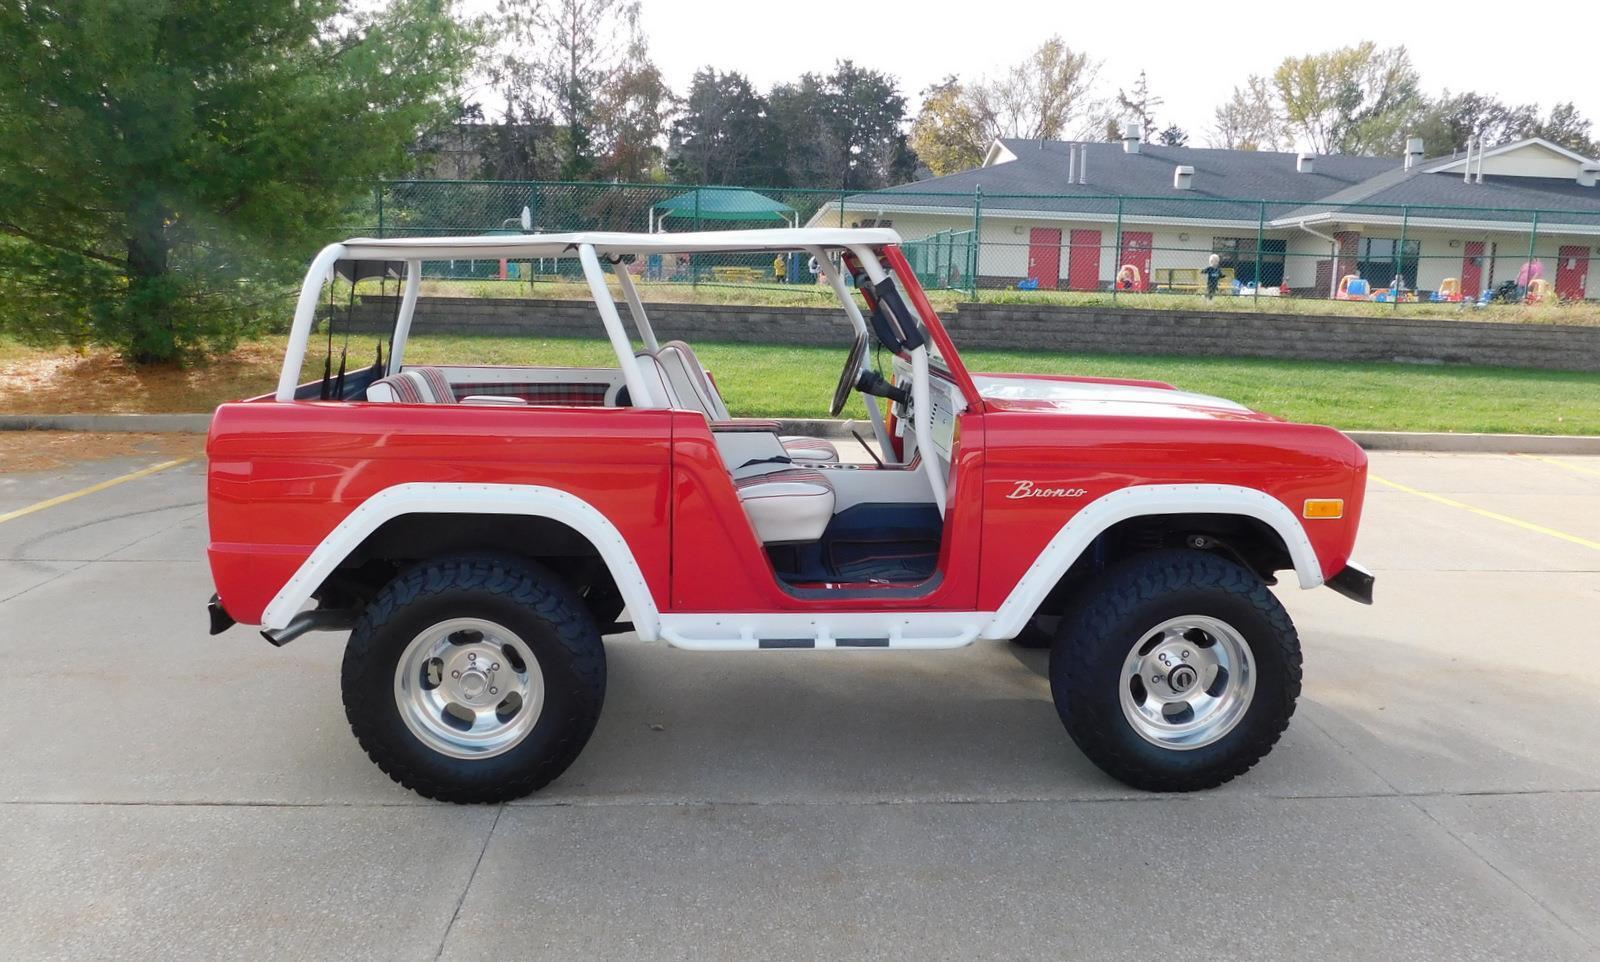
column 165, row 163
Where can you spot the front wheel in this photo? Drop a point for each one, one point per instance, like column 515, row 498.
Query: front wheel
column 1179, row 673
column 474, row 679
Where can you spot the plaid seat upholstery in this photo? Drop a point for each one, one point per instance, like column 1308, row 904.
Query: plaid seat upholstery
column 567, row 395
column 417, row 385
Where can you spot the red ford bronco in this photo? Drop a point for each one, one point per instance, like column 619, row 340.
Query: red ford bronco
column 478, row 529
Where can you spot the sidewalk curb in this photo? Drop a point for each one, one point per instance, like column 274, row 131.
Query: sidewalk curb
column 1371, row 440
column 141, row 423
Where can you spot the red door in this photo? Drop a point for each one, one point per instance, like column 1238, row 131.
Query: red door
column 1572, row 273
column 1083, row 261
column 1472, row 270
column 1044, row 257
column 1136, row 247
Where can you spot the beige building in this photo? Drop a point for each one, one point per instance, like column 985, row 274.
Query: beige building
column 1086, row 216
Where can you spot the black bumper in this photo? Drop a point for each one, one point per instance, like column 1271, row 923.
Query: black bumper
column 1354, row 582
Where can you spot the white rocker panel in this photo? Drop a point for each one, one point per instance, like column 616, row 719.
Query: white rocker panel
column 923, row 630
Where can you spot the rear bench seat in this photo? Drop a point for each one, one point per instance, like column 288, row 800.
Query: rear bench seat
column 414, row 385
column 784, row 505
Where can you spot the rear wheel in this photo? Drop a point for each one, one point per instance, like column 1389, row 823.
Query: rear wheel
column 474, row 679
column 1179, row 673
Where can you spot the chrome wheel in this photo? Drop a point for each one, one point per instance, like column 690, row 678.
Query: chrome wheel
column 469, row 688
column 1187, row 682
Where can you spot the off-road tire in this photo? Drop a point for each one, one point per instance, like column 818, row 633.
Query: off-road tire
column 1037, row 633
column 1086, row 666
column 525, row 598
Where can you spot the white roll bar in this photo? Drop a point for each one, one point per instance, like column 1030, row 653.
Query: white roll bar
column 408, row 307
column 880, row 427
column 305, row 315
column 635, row 307
column 631, row 375
column 921, row 405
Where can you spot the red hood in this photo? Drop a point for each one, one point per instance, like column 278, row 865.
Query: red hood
column 1106, row 398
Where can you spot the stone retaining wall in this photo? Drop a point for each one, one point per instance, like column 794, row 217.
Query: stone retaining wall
column 1045, row 327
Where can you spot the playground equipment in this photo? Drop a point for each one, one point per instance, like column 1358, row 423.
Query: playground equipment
column 1353, row 287
column 1384, row 295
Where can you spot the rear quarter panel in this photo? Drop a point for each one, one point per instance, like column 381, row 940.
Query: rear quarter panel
column 283, row 475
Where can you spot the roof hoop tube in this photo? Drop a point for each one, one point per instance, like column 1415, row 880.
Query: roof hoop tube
column 630, row 293
column 408, row 309
column 830, row 270
column 305, row 315
column 921, row 403
column 631, row 375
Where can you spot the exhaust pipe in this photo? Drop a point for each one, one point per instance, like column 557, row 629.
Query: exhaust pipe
column 329, row 619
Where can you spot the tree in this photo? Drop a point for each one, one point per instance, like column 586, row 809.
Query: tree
column 630, row 116
column 521, row 143
column 723, row 134
column 845, row 130
column 865, row 113
column 1446, row 123
column 1565, row 126
column 1041, row 97
column 566, row 54
column 948, row 134
column 1249, row 120
column 1047, row 96
column 1173, row 136
column 1140, row 104
column 1354, row 100
column 163, row 166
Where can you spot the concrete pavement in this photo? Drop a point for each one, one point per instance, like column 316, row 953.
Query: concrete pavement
column 170, row 795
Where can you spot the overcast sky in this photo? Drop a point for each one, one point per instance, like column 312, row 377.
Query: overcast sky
column 1194, row 53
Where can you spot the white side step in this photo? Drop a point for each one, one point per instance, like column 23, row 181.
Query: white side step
column 918, row 630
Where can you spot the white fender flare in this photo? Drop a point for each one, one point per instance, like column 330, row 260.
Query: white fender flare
column 1140, row 501
column 429, row 498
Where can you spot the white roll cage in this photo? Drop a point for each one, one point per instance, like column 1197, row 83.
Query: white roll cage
column 592, row 249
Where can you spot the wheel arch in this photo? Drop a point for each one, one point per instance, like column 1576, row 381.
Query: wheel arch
column 545, row 509
column 1175, row 505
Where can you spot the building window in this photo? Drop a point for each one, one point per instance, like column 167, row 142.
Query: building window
column 1377, row 264
column 1239, row 253
column 873, row 222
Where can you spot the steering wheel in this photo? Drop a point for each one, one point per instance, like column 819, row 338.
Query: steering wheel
column 847, row 379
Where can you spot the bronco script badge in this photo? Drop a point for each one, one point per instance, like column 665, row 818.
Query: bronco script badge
column 1027, row 489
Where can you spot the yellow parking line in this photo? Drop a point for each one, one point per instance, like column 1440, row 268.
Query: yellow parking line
column 91, row 489
column 1483, row 512
column 1562, row 464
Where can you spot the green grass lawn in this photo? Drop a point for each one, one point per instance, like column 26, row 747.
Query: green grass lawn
column 783, row 381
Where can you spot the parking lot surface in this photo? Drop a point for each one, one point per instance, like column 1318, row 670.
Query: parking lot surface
column 166, row 794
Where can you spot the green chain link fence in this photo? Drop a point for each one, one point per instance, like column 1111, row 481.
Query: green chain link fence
column 1138, row 251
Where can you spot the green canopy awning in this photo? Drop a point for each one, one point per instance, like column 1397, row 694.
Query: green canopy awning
column 724, row 204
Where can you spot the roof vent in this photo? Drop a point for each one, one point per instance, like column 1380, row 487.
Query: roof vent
column 1413, row 152
column 1183, row 177
column 1588, row 174
column 1305, row 163
column 1132, row 137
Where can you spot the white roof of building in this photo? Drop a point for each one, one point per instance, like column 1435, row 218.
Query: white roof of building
column 520, row 246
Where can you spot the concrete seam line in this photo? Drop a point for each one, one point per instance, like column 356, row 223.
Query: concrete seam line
column 91, row 489
column 1486, row 513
